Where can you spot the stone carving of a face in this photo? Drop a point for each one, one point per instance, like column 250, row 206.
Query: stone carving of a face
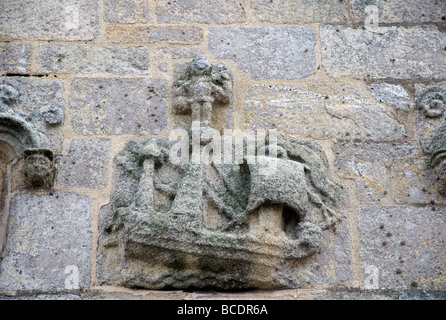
column 200, row 66
column 39, row 169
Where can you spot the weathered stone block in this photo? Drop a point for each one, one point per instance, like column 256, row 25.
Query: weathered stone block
column 43, row 296
column 92, row 59
column 15, row 57
column 391, row 94
column 412, row 181
column 35, row 92
column 65, row 20
column 358, row 295
column 333, row 263
column 378, row 150
column 138, row 35
column 180, row 53
column 200, row 11
column 396, row 11
column 118, row 105
column 251, row 47
column 395, row 52
column 46, row 234
column 41, row 102
column 85, row 166
column 404, row 246
column 126, row 11
column 370, row 176
column 299, row 11
column 311, row 113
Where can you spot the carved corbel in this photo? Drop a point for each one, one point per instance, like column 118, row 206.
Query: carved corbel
column 432, row 103
column 27, row 135
column 39, row 167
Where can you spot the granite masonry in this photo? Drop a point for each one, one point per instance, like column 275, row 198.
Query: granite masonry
column 91, row 91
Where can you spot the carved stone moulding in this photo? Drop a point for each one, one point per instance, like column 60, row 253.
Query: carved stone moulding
column 432, row 103
column 25, row 135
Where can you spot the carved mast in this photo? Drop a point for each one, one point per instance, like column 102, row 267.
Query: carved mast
column 201, row 222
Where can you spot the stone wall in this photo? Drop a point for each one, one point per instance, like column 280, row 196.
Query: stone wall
column 313, row 70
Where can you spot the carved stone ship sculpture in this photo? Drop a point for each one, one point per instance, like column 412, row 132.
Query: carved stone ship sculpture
column 178, row 221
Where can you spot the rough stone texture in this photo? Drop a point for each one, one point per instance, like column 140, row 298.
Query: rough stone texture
column 136, row 295
column 15, row 57
column 162, row 67
column 370, row 176
column 266, row 52
column 420, row 295
column 377, row 295
column 391, row 94
column 333, row 263
column 309, row 112
column 378, row 150
column 118, row 105
column 84, row 78
column 85, row 166
column 138, row 35
column 126, row 11
column 46, row 233
column 396, row 52
column 299, row 11
column 406, row 244
column 358, row 295
column 200, row 11
column 36, row 107
column 3, row 184
column 65, row 20
column 260, row 295
column 92, row 59
column 42, row 296
column 412, row 181
column 428, row 127
column 180, row 53
column 35, row 92
column 396, row 11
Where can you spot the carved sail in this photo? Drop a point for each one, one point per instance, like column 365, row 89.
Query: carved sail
column 213, row 224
